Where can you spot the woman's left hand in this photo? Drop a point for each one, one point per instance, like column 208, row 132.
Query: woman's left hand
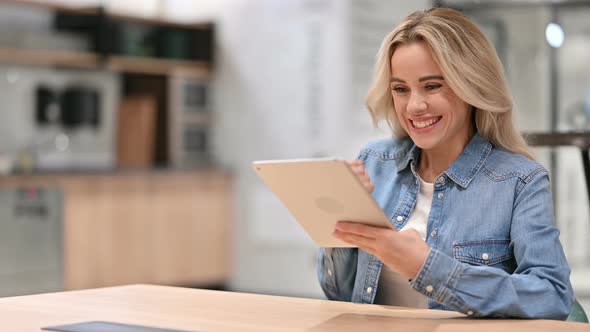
column 404, row 252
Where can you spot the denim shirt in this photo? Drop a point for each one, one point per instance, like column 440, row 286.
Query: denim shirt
column 494, row 249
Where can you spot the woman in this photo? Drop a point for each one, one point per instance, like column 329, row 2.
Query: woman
column 473, row 208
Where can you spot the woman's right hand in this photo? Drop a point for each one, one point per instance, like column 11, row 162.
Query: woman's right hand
column 358, row 168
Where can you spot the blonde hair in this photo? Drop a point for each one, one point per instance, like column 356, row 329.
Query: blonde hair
column 469, row 64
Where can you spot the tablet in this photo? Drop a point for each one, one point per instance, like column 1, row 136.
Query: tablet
column 319, row 193
column 100, row 326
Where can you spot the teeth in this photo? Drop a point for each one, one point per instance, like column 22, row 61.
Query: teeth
column 424, row 124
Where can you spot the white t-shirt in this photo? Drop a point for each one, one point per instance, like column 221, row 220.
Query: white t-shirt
column 394, row 289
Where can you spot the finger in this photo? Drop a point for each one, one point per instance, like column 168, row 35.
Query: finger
column 358, row 229
column 361, row 175
column 360, row 170
column 357, row 240
column 364, row 179
column 354, row 162
column 368, row 185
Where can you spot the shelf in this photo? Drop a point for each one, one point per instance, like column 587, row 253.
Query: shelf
column 156, row 21
column 185, row 68
column 42, row 178
column 71, row 59
column 579, row 139
column 87, row 60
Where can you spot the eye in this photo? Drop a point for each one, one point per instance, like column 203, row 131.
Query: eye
column 399, row 89
column 432, row 86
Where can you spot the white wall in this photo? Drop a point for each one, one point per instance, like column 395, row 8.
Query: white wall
column 286, row 74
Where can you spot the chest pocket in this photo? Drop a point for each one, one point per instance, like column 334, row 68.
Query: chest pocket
column 490, row 252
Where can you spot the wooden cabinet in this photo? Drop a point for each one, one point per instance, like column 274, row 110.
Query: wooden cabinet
column 165, row 228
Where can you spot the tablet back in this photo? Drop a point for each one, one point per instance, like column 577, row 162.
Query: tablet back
column 319, row 193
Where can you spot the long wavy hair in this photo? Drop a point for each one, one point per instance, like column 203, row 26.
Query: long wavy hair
column 469, row 64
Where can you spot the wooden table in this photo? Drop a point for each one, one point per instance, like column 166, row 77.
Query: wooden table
column 204, row 310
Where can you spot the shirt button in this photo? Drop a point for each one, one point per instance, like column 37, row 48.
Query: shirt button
column 469, row 313
column 441, row 179
column 369, row 290
column 429, row 288
column 485, row 256
column 433, row 233
column 399, row 218
column 441, row 195
column 329, row 272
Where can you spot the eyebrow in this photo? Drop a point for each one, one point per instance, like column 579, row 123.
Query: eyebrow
column 421, row 79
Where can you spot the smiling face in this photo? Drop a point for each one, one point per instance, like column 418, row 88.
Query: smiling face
column 429, row 111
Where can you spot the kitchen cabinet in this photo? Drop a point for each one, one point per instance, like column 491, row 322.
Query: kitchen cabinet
column 162, row 227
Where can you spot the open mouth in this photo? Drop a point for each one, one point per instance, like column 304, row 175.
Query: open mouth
column 426, row 123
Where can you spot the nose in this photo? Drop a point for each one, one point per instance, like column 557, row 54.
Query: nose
column 417, row 103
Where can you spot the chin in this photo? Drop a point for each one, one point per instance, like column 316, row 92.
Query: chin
column 425, row 143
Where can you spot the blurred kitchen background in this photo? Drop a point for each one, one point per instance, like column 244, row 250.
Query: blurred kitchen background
column 128, row 128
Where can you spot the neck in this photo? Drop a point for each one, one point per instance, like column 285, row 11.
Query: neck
column 433, row 162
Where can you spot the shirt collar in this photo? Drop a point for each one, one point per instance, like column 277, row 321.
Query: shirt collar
column 463, row 170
